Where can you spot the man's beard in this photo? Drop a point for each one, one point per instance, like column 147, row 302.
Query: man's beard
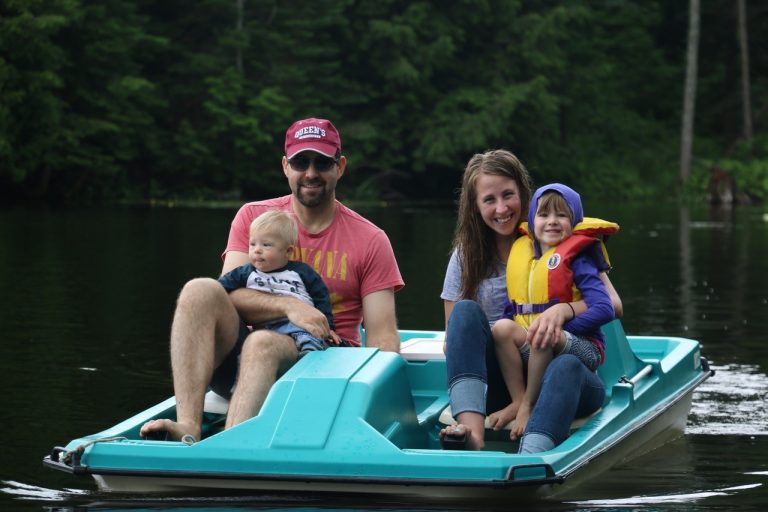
column 311, row 201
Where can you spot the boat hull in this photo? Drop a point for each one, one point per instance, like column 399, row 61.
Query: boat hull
column 668, row 426
column 375, row 423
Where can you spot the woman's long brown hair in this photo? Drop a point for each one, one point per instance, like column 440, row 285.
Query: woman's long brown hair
column 474, row 241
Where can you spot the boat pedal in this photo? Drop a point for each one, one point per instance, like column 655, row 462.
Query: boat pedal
column 454, row 442
column 157, row 435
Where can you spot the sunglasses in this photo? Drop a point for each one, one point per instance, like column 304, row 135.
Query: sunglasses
column 321, row 163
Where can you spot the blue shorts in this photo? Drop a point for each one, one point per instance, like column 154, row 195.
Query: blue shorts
column 305, row 342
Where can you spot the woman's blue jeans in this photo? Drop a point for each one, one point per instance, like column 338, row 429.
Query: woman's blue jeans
column 475, row 384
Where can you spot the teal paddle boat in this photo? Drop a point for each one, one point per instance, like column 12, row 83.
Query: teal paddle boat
column 361, row 420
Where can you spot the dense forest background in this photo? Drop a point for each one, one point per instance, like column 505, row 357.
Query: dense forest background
column 167, row 99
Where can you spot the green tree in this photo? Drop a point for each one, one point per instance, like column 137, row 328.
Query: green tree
column 168, row 98
column 31, row 109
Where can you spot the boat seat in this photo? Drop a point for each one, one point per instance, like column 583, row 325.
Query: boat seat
column 426, row 349
column 620, row 360
column 215, row 403
column 422, row 349
column 446, row 418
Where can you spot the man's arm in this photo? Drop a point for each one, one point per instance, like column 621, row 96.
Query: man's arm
column 380, row 322
column 232, row 260
column 256, row 307
column 546, row 328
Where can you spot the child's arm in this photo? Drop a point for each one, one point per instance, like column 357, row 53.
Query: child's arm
column 334, row 339
column 599, row 306
column 235, row 279
column 546, row 328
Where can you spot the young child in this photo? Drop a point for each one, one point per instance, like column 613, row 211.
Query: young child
column 559, row 263
column 272, row 239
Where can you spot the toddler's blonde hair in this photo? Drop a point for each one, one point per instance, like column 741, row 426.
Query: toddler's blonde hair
column 278, row 223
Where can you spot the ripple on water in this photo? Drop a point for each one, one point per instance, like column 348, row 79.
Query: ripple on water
column 24, row 491
column 644, row 501
column 732, row 402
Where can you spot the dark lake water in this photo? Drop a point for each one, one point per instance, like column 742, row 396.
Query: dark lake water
column 87, row 296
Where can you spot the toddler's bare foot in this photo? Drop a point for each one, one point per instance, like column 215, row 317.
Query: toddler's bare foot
column 500, row 419
column 518, row 426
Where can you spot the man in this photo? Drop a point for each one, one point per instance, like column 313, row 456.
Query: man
column 352, row 255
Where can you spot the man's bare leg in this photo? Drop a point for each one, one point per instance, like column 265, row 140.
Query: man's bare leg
column 265, row 356
column 205, row 329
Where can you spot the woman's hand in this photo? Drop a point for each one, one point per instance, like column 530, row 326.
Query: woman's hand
column 546, row 329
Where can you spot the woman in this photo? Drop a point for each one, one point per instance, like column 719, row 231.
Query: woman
column 495, row 194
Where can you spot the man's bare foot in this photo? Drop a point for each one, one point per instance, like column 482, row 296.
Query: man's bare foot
column 500, row 419
column 474, row 441
column 176, row 431
column 518, row 426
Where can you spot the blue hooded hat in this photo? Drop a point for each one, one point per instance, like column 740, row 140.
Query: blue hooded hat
column 572, row 199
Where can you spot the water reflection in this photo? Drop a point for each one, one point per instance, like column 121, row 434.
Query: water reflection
column 645, row 501
column 684, row 473
column 84, row 342
column 731, row 403
column 24, row 491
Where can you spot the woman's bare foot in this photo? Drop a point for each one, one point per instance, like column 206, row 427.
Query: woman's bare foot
column 518, row 426
column 474, row 441
column 176, row 431
column 500, row 419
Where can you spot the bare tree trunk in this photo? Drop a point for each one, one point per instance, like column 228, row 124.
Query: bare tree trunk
column 689, row 98
column 239, row 5
column 687, row 304
column 746, row 102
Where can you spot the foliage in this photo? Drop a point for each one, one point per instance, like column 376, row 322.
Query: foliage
column 31, row 109
column 748, row 165
column 151, row 99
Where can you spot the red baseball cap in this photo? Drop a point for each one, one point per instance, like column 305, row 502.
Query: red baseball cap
column 312, row 134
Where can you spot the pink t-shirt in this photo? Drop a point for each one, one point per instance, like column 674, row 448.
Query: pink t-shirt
column 352, row 255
